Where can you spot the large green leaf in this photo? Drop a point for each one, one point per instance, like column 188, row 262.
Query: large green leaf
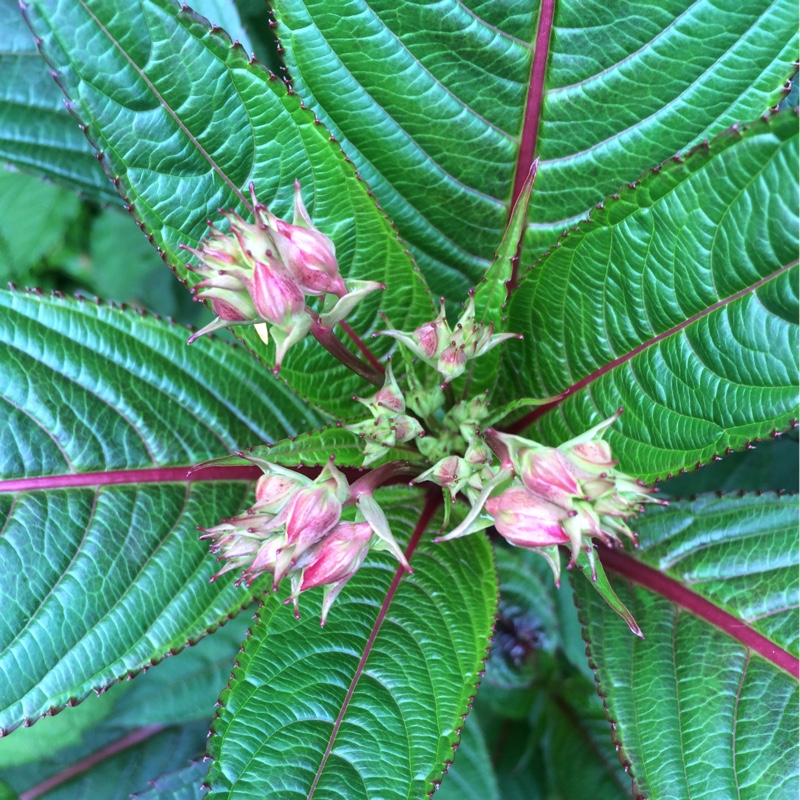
column 678, row 301
column 769, row 466
column 537, row 704
column 176, row 695
column 430, row 104
column 105, row 411
column 714, row 586
column 186, row 122
column 140, row 757
column 33, row 221
column 471, row 777
column 37, row 134
column 185, row 784
column 361, row 709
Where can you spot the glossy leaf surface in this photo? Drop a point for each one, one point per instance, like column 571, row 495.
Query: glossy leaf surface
column 734, row 707
column 103, row 577
column 430, row 105
column 277, row 731
column 316, row 447
column 37, row 133
column 679, row 302
column 182, row 149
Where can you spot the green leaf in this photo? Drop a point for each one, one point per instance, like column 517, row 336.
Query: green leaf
column 472, row 776
column 677, row 302
column 125, row 268
column 413, row 677
column 185, row 784
column 430, row 104
column 33, row 220
column 37, row 134
column 315, row 448
column 103, row 572
column 771, row 465
column 183, row 689
column 559, row 750
column 492, row 293
column 116, row 774
column 596, row 575
column 52, row 734
column 225, row 14
column 205, row 123
column 707, row 703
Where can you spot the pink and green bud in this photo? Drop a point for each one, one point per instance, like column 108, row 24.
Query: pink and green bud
column 545, row 472
column 452, row 473
column 309, row 255
column 334, row 312
column 447, row 349
column 333, row 561
column 388, row 397
column 525, row 520
column 260, row 273
column 406, row 428
column 338, row 555
column 276, row 297
column 373, row 514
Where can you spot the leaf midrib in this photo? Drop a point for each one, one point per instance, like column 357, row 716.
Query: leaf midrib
column 660, row 583
column 575, row 387
column 430, row 508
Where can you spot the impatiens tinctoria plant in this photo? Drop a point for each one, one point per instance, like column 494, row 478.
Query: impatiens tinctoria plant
column 483, row 291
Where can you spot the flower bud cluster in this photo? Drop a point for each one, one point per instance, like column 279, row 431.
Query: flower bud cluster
column 448, row 349
column 389, row 423
column 261, row 273
column 564, row 494
column 295, row 528
column 542, row 497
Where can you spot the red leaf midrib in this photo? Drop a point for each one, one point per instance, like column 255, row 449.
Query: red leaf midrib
column 521, row 424
column 656, row 581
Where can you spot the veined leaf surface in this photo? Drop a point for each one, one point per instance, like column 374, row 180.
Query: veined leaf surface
column 714, row 587
column 37, row 134
column 678, row 301
column 104, row 412
column 361, row 709
column 431, row 104
column 186, row 122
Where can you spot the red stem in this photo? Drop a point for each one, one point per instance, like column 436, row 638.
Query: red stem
column 326, row 337
column 658, row 582
column 361, row 345
column 390, row 473
column 152, row 475
column 132, row 739
column 533, row 112
column 432, row 503
column 532, row 416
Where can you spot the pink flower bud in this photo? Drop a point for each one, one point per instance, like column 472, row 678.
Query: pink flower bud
column 338, row 555
column 452, row 362
column 545, row 472
column 307, row 254
column 273, row 491
column 390, row 396
column 276, row 297
column 526, row 520
column 406, row 428
column 311, row 513
column 590, row 458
